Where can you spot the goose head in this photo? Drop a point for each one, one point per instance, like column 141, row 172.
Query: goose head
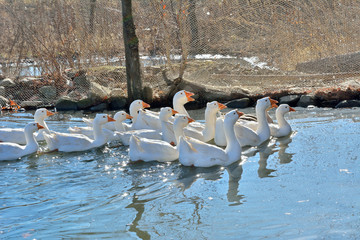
column 264, row 103
column 183, row 97
column 214, row 106
column 232, row 116
column 166, row 113
column 101, row 118
column 33, row 127
column 284, row 108
column 181, row 120
column 137, row 105
column 121, row 116
column 41, row 114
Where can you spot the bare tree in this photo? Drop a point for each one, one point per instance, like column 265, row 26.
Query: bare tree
column 92, row 16
column 132, row 61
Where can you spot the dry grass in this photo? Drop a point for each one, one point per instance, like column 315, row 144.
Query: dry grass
column 284, row 32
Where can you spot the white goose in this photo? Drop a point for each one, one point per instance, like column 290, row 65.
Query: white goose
column 180, row 99
column 17, row 135
column 134, row 108
column 193, row 152
column 13, row 151
column 246, row 135
column 249, row 137
column 67, row 142
column 150, row 119
column 119, row 117
column 208, row 131
column 283, row 128
column 165, row 114
column 157, row 150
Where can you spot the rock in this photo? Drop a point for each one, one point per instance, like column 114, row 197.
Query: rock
column 348, row 104
column 329, row 103
column 238, row 103
column 117, row 103
column 48, row 92
column 98, row 93
column 85, row 103
column 117, row 92
column 99, row 107
column 81, row 82
column 31, row 104
column 4, row 101
column 2, row 91
column 29, row 80
column 66, row 104
column 305, row 101
column 7, row 82
column 290, row 99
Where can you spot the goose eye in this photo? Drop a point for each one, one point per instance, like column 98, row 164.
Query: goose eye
column 103, row 116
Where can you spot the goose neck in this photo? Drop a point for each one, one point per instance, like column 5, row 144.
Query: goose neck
column 233, row 148
column 210, row 122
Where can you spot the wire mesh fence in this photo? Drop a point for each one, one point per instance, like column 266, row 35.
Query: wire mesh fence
column 74, row 49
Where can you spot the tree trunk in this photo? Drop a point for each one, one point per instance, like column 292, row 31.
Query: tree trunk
column 132, row 61
column 92, row 16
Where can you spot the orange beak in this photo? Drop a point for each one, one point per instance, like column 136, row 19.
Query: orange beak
column 190, row 120
column 145, row 105
column 39, row 126
column 174, row 112
column 273, row 103
column 48, row 113
column 188, row 96
column 292, row 109
column 239, row 113
column 110, row 119
column 128, row 116
column 221, row 106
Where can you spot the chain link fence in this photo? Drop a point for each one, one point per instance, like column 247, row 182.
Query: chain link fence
column 73, row 50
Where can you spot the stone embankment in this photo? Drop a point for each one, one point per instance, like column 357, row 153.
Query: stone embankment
column 233, row 82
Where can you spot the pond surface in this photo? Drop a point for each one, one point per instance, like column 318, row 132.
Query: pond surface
column 303, row 187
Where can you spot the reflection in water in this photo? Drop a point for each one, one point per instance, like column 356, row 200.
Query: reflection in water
column 235, row 172
column 283, row 145
column 265, row 150
column 139, row 206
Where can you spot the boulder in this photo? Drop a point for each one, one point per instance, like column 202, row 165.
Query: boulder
column 329, row 103
column 66, row 104
column 117, row 103
column 348, row 104
column 292, row 100
column 100, row 107
column 7, row 82
column 305, row 101
column 4, row 101
column 117, row 92
column 2, row 91
column 98, row 93
column 29, row 80
column 31, row 104
column 85, row 103
column 81, row 82
column 238, row 103
column 48, row 92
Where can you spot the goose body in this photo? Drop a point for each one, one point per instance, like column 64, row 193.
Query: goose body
column 193, row 152
column 157, row 150
column 282, row 128
column 17, row 135
column 246, row 135
column 208, row 131
column 13, row 151
column 166, row 132
column 119, row 117
column 67, row 142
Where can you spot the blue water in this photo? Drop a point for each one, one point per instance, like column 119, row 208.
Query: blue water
column 303, row 187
